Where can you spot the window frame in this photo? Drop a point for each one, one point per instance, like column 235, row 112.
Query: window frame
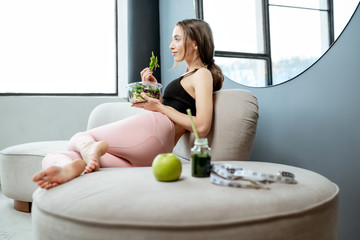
column 116, row 79
column 199, row 11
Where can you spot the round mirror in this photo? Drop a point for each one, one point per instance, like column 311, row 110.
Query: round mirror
column 262, row 45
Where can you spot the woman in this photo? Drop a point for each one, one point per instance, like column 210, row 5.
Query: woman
column 135, row 141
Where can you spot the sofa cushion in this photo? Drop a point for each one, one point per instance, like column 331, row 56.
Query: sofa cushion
column 233, row 130
column 128, row 203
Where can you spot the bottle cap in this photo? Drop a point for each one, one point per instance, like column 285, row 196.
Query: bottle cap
column 201, row 141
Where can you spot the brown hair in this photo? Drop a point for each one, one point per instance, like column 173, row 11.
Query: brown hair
column 200, row 32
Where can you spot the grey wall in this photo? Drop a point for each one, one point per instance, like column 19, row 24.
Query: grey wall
column 313, row 121
column 171, row 11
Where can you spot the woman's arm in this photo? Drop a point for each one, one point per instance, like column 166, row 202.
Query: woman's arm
column 202, row 84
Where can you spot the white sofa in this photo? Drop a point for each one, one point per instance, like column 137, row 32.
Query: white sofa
column 128, row 203
column 231, row 138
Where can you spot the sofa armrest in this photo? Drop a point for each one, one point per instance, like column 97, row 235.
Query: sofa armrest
column 111, row 112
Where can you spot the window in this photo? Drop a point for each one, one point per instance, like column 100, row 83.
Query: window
column 58, row 47
column 267, row 42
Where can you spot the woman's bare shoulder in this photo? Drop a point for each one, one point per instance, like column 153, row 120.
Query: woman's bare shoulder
column 202, row 73
column 202, row 79
column 203, row 70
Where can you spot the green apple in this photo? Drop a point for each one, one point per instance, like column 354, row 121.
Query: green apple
column 167, row 167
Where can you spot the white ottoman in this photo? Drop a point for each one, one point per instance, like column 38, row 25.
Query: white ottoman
column 128, row 203
column 18, row 164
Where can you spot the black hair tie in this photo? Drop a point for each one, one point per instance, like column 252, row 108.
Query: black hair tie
column 211, row 62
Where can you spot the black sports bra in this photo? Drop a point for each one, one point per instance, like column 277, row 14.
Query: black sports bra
column 176, row 96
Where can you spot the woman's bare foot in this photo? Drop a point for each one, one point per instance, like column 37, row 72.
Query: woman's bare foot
column 56, row 175
column 91, row 153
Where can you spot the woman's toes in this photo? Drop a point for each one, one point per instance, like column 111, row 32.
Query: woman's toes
column 91, row 167
column 40, row 182
column 87, row 170
column 37, row 177
column 43, row 185
column 50, row 185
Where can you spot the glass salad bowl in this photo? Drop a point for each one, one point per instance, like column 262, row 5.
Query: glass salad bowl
column 151, row 89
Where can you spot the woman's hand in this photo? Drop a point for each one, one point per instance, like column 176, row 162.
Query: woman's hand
column 146, row 76
column 151, row 104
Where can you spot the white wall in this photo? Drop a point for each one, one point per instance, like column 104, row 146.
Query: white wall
column 26, row 119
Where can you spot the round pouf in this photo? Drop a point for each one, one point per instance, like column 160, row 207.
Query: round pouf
column 128, row 203
column 18, row 164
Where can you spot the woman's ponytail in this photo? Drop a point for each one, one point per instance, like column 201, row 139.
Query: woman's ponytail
column 218, row 77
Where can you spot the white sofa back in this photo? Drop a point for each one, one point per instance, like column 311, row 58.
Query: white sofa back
column 231, row 136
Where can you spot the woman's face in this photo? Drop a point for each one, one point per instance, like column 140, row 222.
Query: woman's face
column 177, row 45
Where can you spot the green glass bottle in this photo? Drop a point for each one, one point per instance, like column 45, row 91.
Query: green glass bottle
column 201, row 158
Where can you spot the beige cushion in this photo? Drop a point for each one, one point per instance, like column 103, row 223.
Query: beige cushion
column 128, row 203
column 234, row 127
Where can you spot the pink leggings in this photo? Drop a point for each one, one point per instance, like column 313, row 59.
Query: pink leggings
column 133, row 142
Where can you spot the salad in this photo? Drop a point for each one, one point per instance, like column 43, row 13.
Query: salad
column 151, row 89
column 153, row 62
